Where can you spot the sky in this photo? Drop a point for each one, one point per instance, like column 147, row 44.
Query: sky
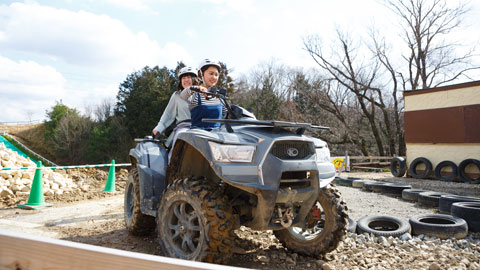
column 79, row 52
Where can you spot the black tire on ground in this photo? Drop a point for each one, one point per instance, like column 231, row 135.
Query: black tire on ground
column 320, row 236
column 415, row 163
column 347, row 182
column 411, row 194
column 470, row 212
column 443, row 164
column 445, row 202
column 377, row 187
column 368, row 185
column 462, row 173
column 398, row 166
column 195, row 222
column 358, row 183
column 383, row 225
column 430, row 198
column 438, row 225
column 394, row 189
column 352, row 225
column 136, row 222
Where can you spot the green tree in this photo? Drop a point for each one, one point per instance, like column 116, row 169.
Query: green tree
column 224, row 80
column 54, row 116
column 142, row 98
column 70, row 138
column 109, row 140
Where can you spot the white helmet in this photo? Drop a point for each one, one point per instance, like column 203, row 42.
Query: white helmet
column 209, row 62
column 187, row 70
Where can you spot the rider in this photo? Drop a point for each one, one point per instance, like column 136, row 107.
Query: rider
column 200, row 105
column 177, row 111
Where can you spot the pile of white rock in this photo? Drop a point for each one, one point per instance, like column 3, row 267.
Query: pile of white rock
column 19, row 182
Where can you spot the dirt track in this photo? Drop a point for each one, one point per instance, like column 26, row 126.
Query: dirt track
column 97, row 218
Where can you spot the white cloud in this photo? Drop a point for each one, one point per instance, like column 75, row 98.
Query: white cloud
column 190, row 32
column 27, row 86
column 138, row 5
column 79, row 38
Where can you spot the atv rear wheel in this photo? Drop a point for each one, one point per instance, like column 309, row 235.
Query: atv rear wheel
column 325, row 226
column 195, row 222
column 136, row 222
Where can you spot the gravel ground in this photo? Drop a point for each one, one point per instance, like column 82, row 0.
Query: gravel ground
column 100, row 222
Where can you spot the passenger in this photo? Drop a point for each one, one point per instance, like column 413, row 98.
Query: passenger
column 177, row 111
column 200, row 106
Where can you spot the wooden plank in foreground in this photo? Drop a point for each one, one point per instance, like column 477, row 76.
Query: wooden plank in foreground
column 22, row 252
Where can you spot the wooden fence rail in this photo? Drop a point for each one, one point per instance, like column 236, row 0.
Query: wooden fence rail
column 22, row 252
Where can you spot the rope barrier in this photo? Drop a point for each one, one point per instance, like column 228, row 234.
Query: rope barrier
column 68, row 167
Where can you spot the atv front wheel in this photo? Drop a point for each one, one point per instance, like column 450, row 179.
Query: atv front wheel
column 136, row 222
column 195, row 222
column 324, row 228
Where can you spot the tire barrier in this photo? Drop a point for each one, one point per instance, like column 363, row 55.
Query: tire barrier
column 383, row 225
column 358, row 183
column 438, row 225
column 444, row 164
column 377, row 187
column 463, row 174
column 415, row 163
column 430, row 198
column 445, row 202
column 367, row 185
column 470, row 212
column 398, row 166
column 394, row 189
column 411, row 194
column 347, row 182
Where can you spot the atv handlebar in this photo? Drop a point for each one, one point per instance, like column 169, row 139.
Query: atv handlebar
column 212, row 92
column 150, row 139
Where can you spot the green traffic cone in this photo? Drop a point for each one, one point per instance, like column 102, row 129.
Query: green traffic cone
column 35, row 199
column 110, row 185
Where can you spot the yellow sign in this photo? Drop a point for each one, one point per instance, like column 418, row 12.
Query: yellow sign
column 337, row 162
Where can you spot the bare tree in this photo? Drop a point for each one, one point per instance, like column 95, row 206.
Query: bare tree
column 431, row 59
column 356, row 76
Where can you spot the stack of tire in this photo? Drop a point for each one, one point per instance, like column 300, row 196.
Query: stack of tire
column 450, row 206
column 459, row 214
column 398, row 167
column 441, row 226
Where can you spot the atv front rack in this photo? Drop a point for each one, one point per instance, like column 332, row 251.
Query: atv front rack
column 301, row 127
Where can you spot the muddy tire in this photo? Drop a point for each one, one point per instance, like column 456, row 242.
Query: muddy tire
column 195, row 222
column 326, row 234
column 136, row 222
column 470, row 212
column 438, row 225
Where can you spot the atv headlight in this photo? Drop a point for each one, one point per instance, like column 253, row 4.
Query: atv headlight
column 323, row 154
column 231, row 152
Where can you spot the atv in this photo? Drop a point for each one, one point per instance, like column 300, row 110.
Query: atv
column 265, row 175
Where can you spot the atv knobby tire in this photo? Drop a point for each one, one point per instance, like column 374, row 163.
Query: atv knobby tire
column 136, row 222
column 195, row 222
column 315, row 241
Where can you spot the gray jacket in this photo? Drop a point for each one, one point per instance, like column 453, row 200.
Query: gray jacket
column 177, row 109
